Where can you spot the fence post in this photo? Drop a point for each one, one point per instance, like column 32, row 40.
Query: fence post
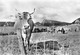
column 44, row 45
column 36, row 47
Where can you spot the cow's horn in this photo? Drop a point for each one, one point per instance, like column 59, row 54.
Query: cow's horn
column 33, row 12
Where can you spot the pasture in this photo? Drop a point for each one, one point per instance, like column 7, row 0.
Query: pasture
column 70, row 41
column 13, row 45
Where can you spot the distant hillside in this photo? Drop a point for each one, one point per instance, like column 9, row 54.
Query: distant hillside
column 38, row 24
column 52, row 22
column 11, row 24
column 77, row 21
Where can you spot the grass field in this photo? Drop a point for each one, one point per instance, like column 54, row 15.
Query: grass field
column 71, row 38
column 9, row 44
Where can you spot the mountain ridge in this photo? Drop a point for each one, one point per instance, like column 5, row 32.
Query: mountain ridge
column 77, row 21
column 46, row 22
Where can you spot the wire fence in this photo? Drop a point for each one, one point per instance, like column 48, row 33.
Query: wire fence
column 47, row 48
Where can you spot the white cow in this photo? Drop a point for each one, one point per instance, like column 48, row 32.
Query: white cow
column 67, row 29
column 58, row 29
column 22, row 19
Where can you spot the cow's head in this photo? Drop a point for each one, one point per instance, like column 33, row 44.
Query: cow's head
column 27, row 15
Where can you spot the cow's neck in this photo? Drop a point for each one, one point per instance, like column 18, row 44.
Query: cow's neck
column 20, row 24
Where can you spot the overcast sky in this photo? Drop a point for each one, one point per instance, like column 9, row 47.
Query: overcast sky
column 61, row 10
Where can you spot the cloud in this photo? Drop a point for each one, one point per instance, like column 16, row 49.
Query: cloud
column 61, row 10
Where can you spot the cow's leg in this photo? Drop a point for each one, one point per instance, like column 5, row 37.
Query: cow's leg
column 29, row 41
column 24, row 39
column 28, row 45
column 28, row 36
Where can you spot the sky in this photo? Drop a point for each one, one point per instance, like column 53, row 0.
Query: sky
column 60, row 10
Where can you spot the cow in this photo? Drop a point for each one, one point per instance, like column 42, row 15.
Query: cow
column 28, row 18
column 25, row 24
column 60, row 29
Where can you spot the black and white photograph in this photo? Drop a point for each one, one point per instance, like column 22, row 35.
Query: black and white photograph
column 39, row 27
